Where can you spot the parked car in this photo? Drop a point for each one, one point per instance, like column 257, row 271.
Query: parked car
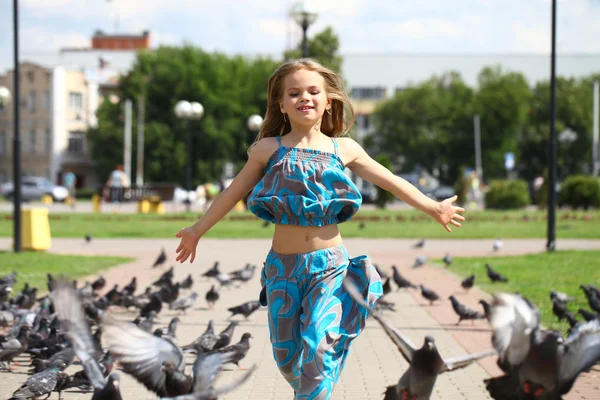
column 34, row 187
column 441, row 193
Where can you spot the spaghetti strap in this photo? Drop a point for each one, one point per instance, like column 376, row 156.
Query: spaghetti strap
column 335, row 146
column 278, row 140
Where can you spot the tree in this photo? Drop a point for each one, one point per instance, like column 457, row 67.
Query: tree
column 323, row 47
column 503, row 103
column 428, row 125
column 229, row 88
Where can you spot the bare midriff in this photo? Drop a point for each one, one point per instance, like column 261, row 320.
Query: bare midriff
column 291, row 239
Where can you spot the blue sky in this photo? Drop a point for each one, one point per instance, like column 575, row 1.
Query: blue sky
column 262, row 26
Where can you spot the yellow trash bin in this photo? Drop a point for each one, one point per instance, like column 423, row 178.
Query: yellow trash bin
column 35, row 229
column 143, row 206
column 95, row 203
column 156, row 205
column 47, row 199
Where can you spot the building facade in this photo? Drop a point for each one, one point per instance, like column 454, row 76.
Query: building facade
column 57, row 107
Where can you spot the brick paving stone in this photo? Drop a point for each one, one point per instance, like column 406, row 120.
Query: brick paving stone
column 373, row 362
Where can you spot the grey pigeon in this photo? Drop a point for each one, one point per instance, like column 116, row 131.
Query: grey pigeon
column 420, row 244
column 429, row 294
column 211, row 297
column 538, row 363
column 495, row 276
column 183, row 303
column 560, row 296
column 160, row 260
column 245, row 309
column 400, row 280
column 425, row 363
column 447, row 260
column 420, row 261
column 497, row 244
column 463, row 311
column 40, row 384
column 467, row 283
column 205, row 342
column 225, row 337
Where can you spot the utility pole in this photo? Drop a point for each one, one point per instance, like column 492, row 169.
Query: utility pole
column 552, row 170
column 595, row 149
column 139, row 172
column 478, row 166
column 127, row 138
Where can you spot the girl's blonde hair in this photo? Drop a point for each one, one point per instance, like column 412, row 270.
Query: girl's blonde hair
column 335, row 124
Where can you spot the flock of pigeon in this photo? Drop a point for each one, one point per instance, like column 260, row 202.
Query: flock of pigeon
column 537, row 363
column 76, row 324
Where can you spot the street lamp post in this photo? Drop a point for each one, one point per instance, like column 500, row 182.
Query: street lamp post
column 552, row 170
column 190, row 112
column 254, row 123
column 304, row 15
column 16, row 139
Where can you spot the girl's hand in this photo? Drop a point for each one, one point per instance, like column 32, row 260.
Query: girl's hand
column 188, row 244
column 447, row 214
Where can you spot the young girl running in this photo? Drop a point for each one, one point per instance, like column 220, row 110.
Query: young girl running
column 295, row 170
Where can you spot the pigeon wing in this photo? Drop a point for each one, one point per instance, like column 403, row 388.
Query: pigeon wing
column 70, row 313
column 579, row 353
column 207, row 366
column 404, row 344
column 451, row 364
column 210, row 393
column 140, row 353
column 513, row 319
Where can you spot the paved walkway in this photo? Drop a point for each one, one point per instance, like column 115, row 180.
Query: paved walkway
column 373, row 362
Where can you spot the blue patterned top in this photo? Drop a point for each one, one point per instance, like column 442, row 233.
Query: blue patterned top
column 305, row 187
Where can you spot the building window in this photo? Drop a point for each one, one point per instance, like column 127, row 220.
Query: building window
column 31, row 101
column 47, row 100
column 76, row 142
column 3, row 149
column 75, row 100
column 32, row 142
column 368, row 93
column 48, row 141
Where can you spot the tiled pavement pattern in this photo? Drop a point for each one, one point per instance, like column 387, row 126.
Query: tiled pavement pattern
column 373, row 363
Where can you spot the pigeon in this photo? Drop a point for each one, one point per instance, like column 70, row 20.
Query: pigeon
column 265, row 224
column 387, row 286
column 559, row 309
column 131, row 287
column 188, row 282
column 463, row 311
column 495, row 276
column 9, row 279
column 245, row 309
column 211, row 297
column 182, row 304
column 420, row 244
column 420, row 261
column 361, row 225
column 538, row 363
column 169, row 333
column 160, row 260
column 560, row 296
column 400, row 280
column 467, row 283
column 206, row 342
column 155, row 305
column 429, row 294
column 213, row 272
column 237, row 351
column 497, row 244
column 588, row 315
column 40, row 384
column 245, row 274
column 88, row 238
column 98, row 284
column 425, row 363
column 165, row 278
column 11, row 348
column 486, row 308
column 225, row 337
column 447, row 260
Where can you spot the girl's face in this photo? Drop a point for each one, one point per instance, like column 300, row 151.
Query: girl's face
column 304, row 98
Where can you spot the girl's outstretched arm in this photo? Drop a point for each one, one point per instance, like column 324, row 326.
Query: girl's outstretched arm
column 245, row 180
column 370, row 170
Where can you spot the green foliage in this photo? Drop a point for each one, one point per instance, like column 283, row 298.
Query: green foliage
column 230, row 90
column 383, row 196
column 580, row 191
column 461, row 187
column 507, row 194
column 323, row 47
column 83, row 193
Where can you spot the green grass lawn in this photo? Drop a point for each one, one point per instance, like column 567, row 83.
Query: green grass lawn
column 32, row 267
column 367, row 224
column 534, row 275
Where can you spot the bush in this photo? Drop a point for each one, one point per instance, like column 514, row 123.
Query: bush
column 507, row 194
column 383, row 196
column 85, row 193
column 580, row 191
column 461, row 187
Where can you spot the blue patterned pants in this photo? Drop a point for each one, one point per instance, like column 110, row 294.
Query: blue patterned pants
column 312, row 319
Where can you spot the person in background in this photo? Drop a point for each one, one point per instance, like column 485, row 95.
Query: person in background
column 117, row 182
column 70, row 180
